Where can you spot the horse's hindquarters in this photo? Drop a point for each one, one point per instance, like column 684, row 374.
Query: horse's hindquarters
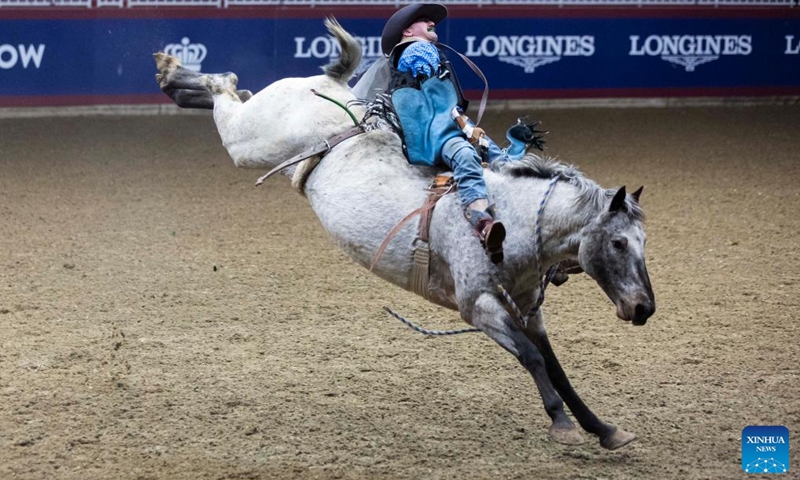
column 360, row 191
column 282, row 120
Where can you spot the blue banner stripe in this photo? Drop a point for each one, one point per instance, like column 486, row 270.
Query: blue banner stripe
column 521, row 57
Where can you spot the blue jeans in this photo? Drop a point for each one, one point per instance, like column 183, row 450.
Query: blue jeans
column 514, row 151
column 465, row 163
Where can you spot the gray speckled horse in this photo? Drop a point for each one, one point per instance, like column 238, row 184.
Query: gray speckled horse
column 364, row 187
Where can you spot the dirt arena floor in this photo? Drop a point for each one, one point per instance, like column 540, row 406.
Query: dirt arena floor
column 162, row 318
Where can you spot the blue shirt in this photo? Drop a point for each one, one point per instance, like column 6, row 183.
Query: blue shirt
column 420, row 58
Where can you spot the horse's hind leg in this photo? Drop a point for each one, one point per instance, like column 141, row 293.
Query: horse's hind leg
column 199, row 98
column 490, row 316
column 180, row 83
column 190, row 98
column 171, row 74
column 611, row 437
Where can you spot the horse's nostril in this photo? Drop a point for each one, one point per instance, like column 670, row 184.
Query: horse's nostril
column 641, row 313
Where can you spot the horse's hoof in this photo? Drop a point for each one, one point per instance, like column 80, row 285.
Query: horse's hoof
column 618, row 439
column 566, row 435
column 166, row 62
column 162, row 82
column 233, row 78
column 160, row 58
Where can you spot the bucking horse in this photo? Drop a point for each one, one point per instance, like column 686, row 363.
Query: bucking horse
column 363, row 189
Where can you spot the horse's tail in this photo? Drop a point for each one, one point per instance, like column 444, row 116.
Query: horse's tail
column 342, row 69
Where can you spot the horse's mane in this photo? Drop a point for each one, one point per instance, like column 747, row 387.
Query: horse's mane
column 590, row 194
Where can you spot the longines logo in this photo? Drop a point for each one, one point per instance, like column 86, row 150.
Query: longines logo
column 792, row 45
column 328, row 47
column 26, row 55
column 689, row 51
column 530, row 51
column 191, row 55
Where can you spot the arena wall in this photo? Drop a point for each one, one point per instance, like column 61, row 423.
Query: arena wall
column 103, row 55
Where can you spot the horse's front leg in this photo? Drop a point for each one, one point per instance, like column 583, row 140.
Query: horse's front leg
column 611, row 437
column 489, row 315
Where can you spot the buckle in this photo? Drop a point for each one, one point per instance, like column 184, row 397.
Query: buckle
column 441, row 181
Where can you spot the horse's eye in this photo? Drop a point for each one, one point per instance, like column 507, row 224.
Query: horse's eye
column 620, row 243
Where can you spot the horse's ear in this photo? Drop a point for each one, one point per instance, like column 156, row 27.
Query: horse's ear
column 637, row 193
column 618, row 202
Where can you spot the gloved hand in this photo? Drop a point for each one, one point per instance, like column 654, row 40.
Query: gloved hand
column 527, row 133
column 476, row 135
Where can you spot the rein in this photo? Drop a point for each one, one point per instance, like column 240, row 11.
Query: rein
column 432, row 333
column 537, row 234
column 521, row 319
column 479, row 73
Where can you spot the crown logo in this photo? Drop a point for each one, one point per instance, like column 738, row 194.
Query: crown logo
column 191, row 55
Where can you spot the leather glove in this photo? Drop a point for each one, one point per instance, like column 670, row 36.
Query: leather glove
column 527, row 133
column 537, row 136
column 477, row 135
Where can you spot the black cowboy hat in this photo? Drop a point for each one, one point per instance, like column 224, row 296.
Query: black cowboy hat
column 403, row 18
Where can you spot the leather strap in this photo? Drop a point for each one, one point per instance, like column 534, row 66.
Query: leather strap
column 321, row 148
column 421, row 268
column 427, row 213
column 480, row 75
column 441, row 185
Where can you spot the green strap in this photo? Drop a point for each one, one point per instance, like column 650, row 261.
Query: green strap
column 352, row 117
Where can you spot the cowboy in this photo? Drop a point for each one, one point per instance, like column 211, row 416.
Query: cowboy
column 430, row 103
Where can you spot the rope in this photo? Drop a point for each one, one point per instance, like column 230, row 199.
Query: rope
column 432, row 333
column 518, row 316
column 537, row 234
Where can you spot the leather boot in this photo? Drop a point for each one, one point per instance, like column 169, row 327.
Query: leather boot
column 490, row 232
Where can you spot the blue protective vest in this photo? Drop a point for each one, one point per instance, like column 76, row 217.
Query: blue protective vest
column 424, row 107
column 425, row 115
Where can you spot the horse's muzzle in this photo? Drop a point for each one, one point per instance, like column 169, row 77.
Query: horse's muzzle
column 637, row 313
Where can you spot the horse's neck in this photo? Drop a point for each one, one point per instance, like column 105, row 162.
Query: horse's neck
column 559, row 218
